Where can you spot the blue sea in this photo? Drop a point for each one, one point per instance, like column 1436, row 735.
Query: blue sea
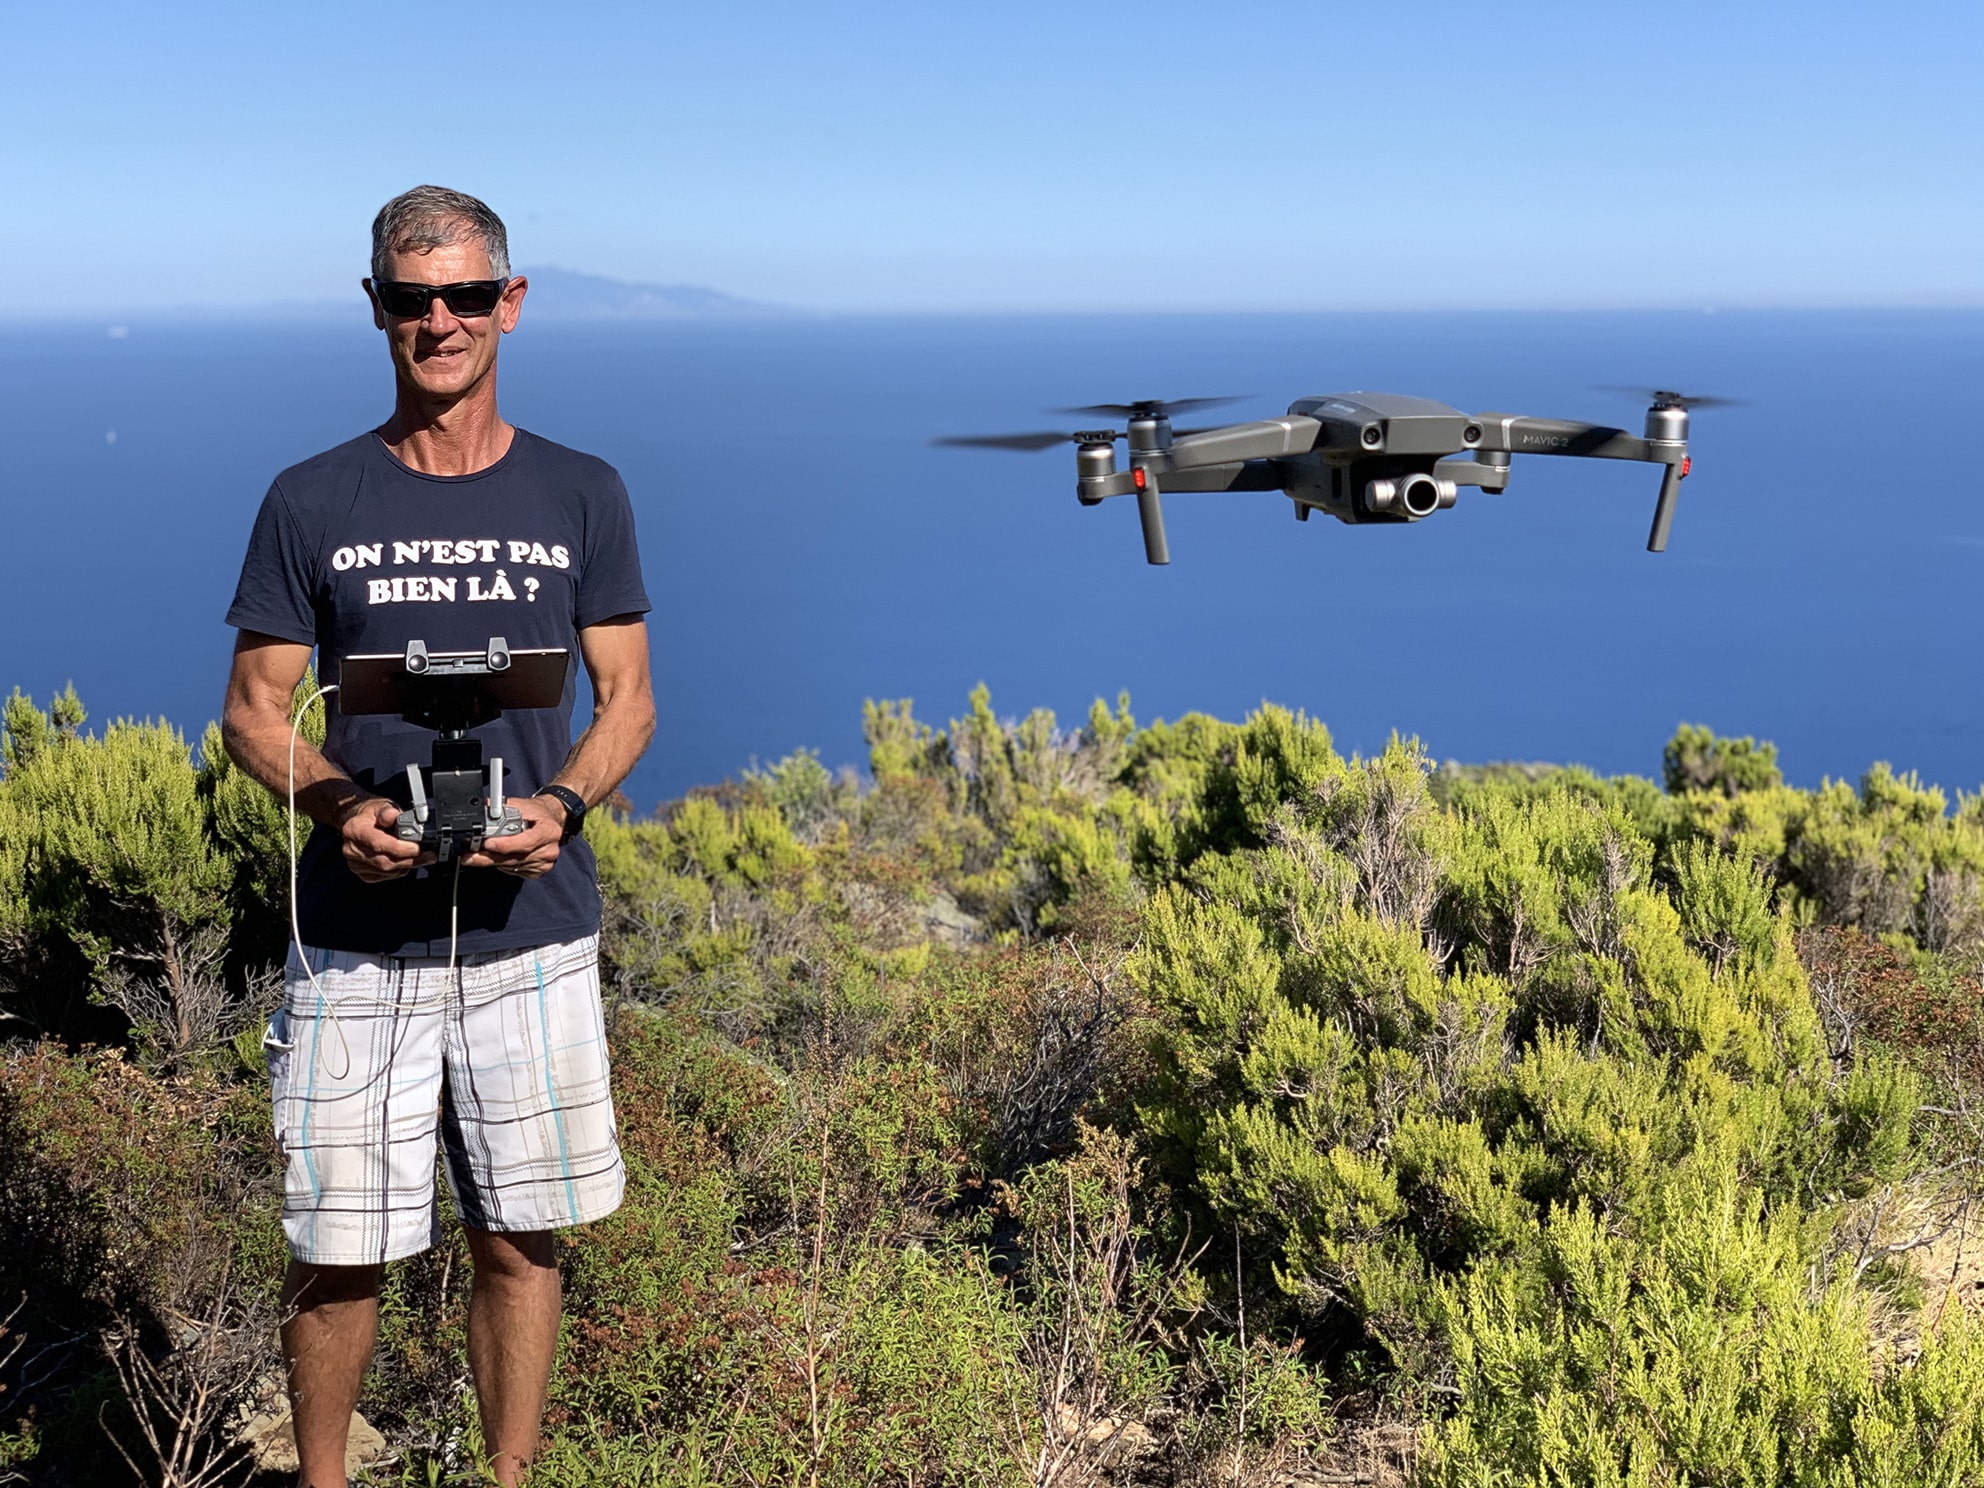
column 807, row 548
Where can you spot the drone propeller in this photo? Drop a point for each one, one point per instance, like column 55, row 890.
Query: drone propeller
column 1154, row 407
column 1662, row 398
column 1045, row 439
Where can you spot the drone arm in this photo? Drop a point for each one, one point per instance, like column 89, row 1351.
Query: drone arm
column 1504, row 433
column 1243, row 475
column 1513, row 434
column 1266, row 439
column 1235, row 458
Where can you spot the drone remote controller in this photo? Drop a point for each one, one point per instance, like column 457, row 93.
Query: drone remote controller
column 464, row 809
column 457, row 803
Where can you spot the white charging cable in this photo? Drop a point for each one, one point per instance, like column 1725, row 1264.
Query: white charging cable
column 295, row 923
column 454, row 912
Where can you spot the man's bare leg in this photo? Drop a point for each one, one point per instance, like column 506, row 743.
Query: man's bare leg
column 512, row 1334
column 330, row 1320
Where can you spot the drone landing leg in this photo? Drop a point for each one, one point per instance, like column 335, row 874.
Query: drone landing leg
column 1663, row 511
column 1150, row 510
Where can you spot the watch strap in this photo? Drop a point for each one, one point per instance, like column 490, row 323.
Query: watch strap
column 575, row 808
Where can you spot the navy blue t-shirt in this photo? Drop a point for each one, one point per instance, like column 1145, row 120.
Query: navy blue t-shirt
column 356, row 554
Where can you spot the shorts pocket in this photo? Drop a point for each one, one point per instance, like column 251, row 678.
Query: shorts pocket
column 277, row 1045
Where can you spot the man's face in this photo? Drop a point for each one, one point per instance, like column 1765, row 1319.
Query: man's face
column 442, row 355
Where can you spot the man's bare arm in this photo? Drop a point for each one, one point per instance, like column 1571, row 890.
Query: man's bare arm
column 255, row 727
column 616, row 657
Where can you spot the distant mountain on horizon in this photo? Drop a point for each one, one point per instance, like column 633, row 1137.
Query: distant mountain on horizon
column 569, row 294
column 556, row 294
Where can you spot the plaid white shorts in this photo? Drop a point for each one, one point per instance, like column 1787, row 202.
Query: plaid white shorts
column 505, row 1061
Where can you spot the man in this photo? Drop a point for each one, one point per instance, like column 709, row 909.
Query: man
column 449, row 526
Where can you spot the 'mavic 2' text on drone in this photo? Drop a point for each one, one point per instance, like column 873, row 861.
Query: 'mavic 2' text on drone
column 1360, row 457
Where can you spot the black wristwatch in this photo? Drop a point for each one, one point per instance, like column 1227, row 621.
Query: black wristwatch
column 575, row 809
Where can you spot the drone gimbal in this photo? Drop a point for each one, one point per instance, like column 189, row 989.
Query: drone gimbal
column 1360, row 457
column 460, row 804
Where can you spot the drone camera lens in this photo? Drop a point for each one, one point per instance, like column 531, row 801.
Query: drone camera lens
column 1419, row 495
column 1373, row 436
column 1471, row 434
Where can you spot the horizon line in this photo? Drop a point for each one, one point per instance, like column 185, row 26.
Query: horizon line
column 763, row 311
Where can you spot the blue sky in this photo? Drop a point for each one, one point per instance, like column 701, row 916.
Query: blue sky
column 1012, row 157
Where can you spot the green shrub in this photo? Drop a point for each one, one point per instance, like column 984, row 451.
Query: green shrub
column 1696, row 759
column 1698, row 1346
column 761, row 1308
column 134, row 1207
column 1509, row 1086
column 163, row 880
column 1421, row 1057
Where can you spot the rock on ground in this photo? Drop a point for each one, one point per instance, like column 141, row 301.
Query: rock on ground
column 271, row 1442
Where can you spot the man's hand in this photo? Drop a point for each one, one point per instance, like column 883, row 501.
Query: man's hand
column 371, row 848
column 531, row 853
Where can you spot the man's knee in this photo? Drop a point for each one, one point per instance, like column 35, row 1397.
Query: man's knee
column 306, row 1286
column 512, row 1255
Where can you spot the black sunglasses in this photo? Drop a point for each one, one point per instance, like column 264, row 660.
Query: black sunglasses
column 410, row 301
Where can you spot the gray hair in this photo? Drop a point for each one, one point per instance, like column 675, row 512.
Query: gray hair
column 429, row 217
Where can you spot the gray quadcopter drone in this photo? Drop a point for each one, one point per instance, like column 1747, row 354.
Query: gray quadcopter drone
column 1360, row 457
